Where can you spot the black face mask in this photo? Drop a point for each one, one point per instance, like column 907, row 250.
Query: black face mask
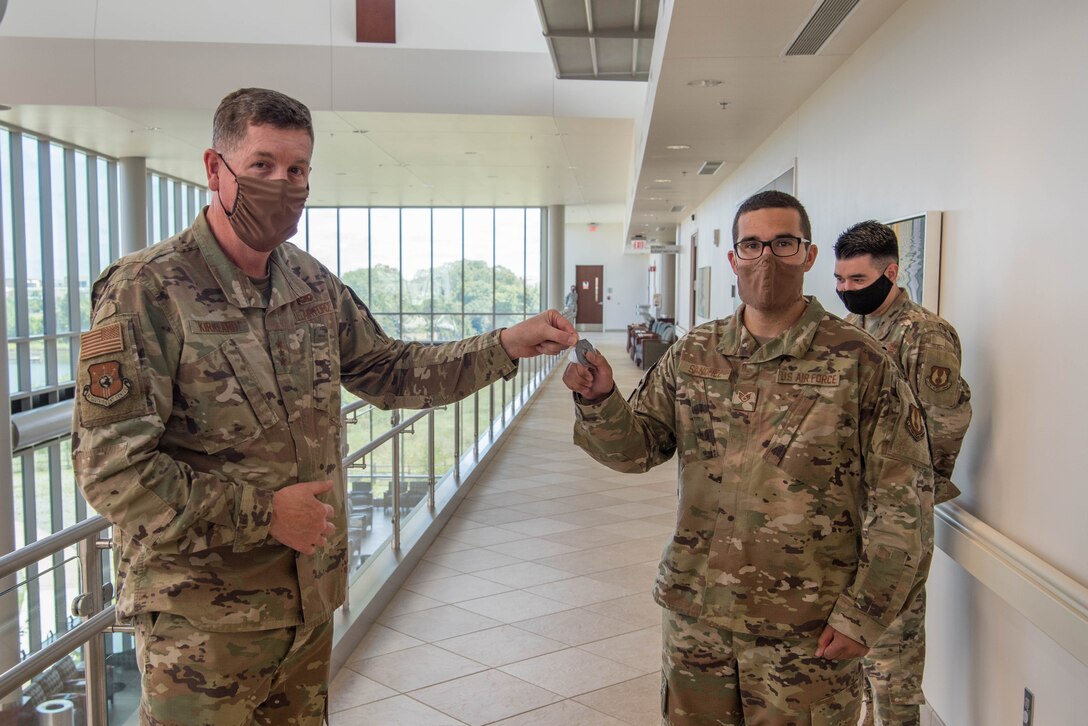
column 867, row 299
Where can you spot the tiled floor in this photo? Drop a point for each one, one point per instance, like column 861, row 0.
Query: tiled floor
column 532, row 608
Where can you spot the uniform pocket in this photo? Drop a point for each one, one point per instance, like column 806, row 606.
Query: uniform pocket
column 778, row 451
column 840, row 709
column 701, row 403
column 222, row 399
column 326, row 370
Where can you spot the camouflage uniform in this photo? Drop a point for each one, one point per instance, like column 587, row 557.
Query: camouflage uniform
column 197, row 398
column 927, row 349
column 804, row 483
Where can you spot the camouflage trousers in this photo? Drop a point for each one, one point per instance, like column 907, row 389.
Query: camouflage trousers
column 191, row 676
column 893, row 669
column 714, row 677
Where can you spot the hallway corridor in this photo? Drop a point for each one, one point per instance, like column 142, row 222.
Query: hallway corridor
column 533, row 606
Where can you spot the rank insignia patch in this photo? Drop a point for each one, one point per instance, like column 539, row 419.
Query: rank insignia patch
column 939, row 378
column 916, row 423
column 107, row 385
column 745, row 400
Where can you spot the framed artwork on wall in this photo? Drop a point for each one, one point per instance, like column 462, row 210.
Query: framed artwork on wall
column 703, row 292
column 920, row 257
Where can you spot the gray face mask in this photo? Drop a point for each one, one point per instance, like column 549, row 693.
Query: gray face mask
column 868, row 298
column 266, row 211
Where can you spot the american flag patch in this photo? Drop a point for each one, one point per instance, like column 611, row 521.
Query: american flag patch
column 100, row 341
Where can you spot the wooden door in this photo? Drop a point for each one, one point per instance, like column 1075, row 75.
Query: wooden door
column 590, row 282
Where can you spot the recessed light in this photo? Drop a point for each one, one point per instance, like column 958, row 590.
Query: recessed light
column 662, row 181
column 152, row 128
column 705, row 83
column 677, row 147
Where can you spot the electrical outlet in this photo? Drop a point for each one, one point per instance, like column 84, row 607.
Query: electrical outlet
column 1029, row 707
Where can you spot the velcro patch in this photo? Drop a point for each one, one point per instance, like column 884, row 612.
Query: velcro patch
column 807, row 378
column 107, row 385
column 101, row 341
column 939, row 378
column 916, row 423
column 700, row 371
column 219, row 327
column 314, row 311
column 745, row 400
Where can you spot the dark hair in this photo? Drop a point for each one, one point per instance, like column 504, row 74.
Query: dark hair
column 256, row 106
column 868, row 238
column 773, row 200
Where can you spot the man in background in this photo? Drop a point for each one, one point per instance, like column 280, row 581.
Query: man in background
column 927, row 349
column 207, row 430
column 804, row 483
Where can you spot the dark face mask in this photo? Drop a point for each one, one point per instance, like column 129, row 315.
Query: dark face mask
column 266, row 211
column 869, row 298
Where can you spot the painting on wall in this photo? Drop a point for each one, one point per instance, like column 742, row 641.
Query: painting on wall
column 920, row 257
column 702, row 284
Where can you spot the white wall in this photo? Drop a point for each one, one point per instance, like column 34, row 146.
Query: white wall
column 626, row 276
column 977, row 108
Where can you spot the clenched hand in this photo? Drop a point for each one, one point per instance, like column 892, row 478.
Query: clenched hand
column 593, row 382
column 833, row 645
column 300, row 520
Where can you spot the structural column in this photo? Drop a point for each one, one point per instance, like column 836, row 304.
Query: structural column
column 557, row 234
column 666, row 285
column 132, row 193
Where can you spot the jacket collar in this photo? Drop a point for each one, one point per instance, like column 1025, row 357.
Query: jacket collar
column 795, row 341
column 237, row 288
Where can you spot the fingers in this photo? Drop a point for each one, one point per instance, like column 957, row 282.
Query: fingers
column 317, row 487
column 578, row 378
column 557, row 320
column 598, row 360
column 329, row 511
column 822, row 644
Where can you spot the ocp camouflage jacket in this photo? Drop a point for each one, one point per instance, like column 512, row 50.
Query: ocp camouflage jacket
column 197, row 400
column 805, row 481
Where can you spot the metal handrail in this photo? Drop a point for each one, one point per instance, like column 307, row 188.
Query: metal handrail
column 19, row 674
column 56, row 542
column 375, row 443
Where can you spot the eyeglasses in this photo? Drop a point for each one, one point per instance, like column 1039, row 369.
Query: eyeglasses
column 785, row 246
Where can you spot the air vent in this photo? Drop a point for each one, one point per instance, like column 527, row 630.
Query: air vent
column 709, row 167
column 821, row 26
column 677, row 208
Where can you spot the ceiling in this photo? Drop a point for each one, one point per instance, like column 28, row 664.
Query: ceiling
column 741, row 44
column 600, row 39
column 422, row 123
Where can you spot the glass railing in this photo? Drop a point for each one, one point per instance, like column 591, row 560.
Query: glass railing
column 83, row 671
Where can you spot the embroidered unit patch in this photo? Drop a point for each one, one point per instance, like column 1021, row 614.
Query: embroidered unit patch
column 107, row 385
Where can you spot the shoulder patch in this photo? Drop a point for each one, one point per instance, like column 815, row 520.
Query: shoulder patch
column 107, row 385
column 101, row 341
column 939, row 378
